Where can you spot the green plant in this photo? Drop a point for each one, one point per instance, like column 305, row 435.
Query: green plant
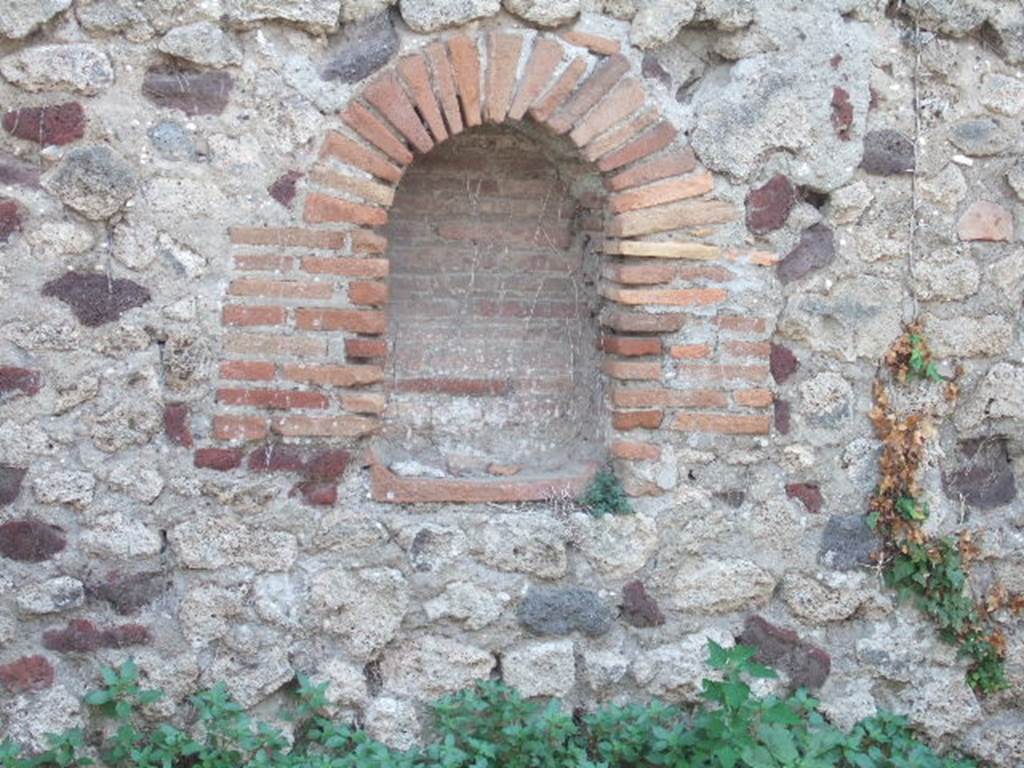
column 605, row 496
column 492, row 726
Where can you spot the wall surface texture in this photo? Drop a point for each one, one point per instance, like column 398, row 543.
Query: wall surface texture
column 315, row 315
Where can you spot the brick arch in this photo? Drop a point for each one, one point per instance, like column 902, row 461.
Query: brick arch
column 684, row 355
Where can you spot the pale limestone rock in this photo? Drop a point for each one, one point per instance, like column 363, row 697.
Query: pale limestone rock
column 393, row 722
column 357, row 10
column 525, row 543
column 828, row 597
column 896, row 649
column 32, row 716
column 466, row 602
column 364, row 608
column 616, row 544
column 945, row 277
column 941, row 703
column 138, row 478
column 94, row 181
column 961, row 336
column 74, row 488
column 202, row 43
column 846, row 701
column 277, row 598
column 116, row 535
column 544, row 13
column 251, row 680
column 432, row 15
column 60, row 593
column 658, row 21
column 604, row 670
column 428, row 667
column 540, row 668
column 346, row 683
column 19, row 18
column 946, row 189
column 675, row 671
column 209, row 544
column 312, row 15
column 1002, row 94
column 719, row 586
column 1000, row 395
column 847, row 204
column 79, row 67
column 209, row 611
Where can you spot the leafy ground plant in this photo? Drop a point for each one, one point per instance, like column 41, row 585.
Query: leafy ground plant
column 492, row 726
column 606, row 496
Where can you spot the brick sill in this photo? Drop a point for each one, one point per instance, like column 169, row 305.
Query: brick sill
column 390, row 488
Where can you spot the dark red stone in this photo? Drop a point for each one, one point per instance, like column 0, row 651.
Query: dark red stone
column 808, row 494
column 984, row 478
column 328, row 465
column 29, row 673
column 96, row 299
column 318, row 492
column 806, row 665
column 734, row 497
column 10, row 483
column 836, row 60
column 221, row 459
column 129, row 593
column 23, row 380
column 887, row 152
column 783, row 363
column 30, row 541
column 176, row 424
column 783, row 416
column 10, row 219
column 842, row 113
column 651, row 68
column 275, row 457
column 768, row 206
column 53, row 124
column 283, row 189
column 17, row 172
column 815, row 251
column 639, row 609
column 192, row 91
column 82, row 636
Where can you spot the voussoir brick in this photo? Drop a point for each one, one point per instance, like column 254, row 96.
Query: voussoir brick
column 622, row 101
column 465, row 59
column 662, row 218
column 660, row 192
column 644, row 145
column 322, row 209
column 640, row 274
column 678, row 297
column 444, row 80
column 369, row 190
column 504, row 51
column 614, row 138
column 661, row 249
column 664, row 166
column 349, row 151
column 416, row 74
column 605, row 46
column 543, row 61
column 387, row 95
column 377, row 132
column 544, row 107
column 605, row 75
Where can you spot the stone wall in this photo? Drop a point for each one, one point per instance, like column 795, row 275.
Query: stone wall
column 242, row 433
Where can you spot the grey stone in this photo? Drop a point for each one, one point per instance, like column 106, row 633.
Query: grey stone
column 114, row 16
column 942, row 704
column 887, row 152
column 999, row 739
column 17, row 172
column 816, row 250
column 432, row 15
column 659, row 21
column 202, row 43
column 19, row 18
column 544, row 13
column 80, row 67
column 313, row 15
column 1015, row 178
column 93, row 181
column 251, row 680
column 847, row 543
column 945, row 189
column 361, row 49
column 32, row 717
column 357, row 10
column 346, row 683
column 561, row 610
column 51, row 596
column 1002, row 94
column 615, row 544
column 979, row 137
column 540, row 668
column 10, row 483
column 171, row 141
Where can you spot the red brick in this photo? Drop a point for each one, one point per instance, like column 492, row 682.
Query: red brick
column 29, row 673
column 624, row 100
column 372, row 294
column 246, row 428
column 275, row 457
column 364, row 349
column 600, row 81
column 416, row 74
column 741, row 324
column 638, row 322
column 760, row 349
column 347, row 267
column 387, row 95
column 634, row 451
column 274, row 399
column 280, row 289
column 319, row 493
column 690, row 351
column 503, row 65
column 324, row 426
column 543, row 108
column 631, row 346
column 273, row 346
column 322, row 209
column 545, row 58
column 986, row 221
column 640, row 274
column 465, row 60
column 676, row 297
column 367, row 403
column 241, row 314
column 722, row 424
column 335, row 375
column 176, row 426
column 366, row 241
column 264, row 262
column 753, row 398
column 604, row 46
column 712, row 372
column 627, row 420
column 687, row 213
column 221, row 459
column 662, row 249
column 615, row 138
column 662, row 397
column 644, row 145
column 290, row 237
column 82, row 636
column 661, row 167
column 661, row 192
column 389, row 487
column 246, row 370
column 377, row 132
column 355, row 320
column 618, row 369
column 368, row 189
column 445, row 81
column 348, row 151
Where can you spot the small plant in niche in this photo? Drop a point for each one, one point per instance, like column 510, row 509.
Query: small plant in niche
column 605, row 496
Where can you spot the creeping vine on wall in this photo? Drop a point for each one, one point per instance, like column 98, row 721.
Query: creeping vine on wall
column 931, row 570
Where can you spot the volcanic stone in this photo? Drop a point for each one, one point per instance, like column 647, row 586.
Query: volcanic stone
column 887, row 152
column 194, row 92
column 95, row 299
column 815, row 250
column 559, row 611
